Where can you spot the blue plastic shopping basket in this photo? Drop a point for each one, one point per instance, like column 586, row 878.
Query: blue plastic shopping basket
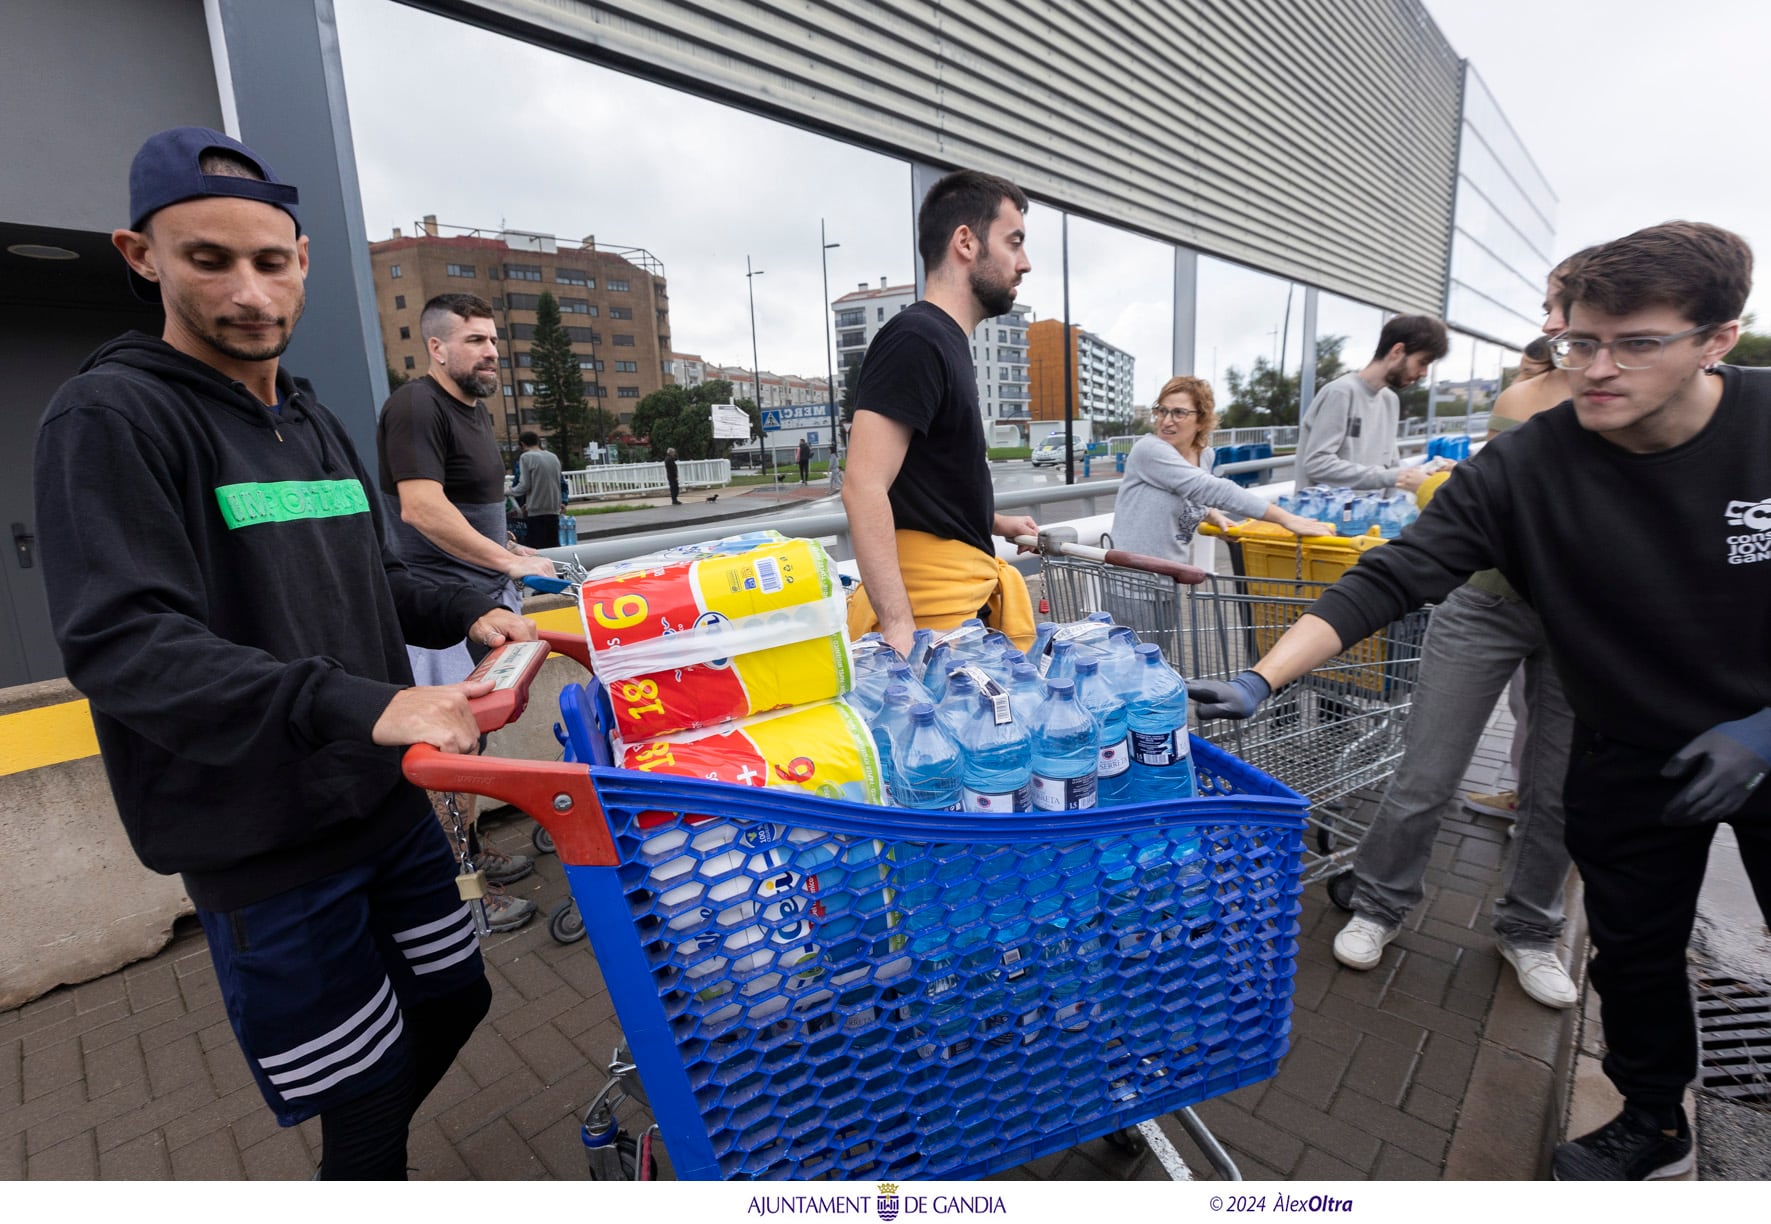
column 813, row 988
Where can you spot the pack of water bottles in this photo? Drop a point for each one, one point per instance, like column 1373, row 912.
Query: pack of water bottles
column 1088, row 717
column 1354, row 512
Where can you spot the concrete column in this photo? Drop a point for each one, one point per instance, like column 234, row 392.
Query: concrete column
column 1186, row 300
column 922, row 177
column 282, row 84
column 1307, row 379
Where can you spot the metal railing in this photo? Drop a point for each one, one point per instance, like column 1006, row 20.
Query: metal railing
column 834, row 524
column 618, row 478
column 826, row 525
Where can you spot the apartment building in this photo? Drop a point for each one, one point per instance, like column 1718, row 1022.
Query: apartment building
column 999, row 345
column 614, row 303
column 1100, row 374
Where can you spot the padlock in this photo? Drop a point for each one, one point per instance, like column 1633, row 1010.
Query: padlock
column 471, row 885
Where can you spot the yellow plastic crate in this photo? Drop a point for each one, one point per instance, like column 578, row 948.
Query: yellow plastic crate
column 1288, row 570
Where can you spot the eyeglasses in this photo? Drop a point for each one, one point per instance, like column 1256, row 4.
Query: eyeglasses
column 1177, row 414
column 1627, row 352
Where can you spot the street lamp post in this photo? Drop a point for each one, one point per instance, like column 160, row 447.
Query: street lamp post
column 756, row 365
column 829, row 361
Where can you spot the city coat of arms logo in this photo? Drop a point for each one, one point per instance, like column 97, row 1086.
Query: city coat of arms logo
column 888, row 1201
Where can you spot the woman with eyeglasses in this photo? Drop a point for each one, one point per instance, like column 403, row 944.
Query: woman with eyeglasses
column 1168, row 488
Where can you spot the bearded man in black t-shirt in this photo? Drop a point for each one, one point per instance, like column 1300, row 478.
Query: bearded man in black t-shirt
column 918, row 494
column 442, row 486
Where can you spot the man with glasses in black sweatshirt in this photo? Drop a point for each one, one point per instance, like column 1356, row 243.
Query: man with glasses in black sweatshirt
column 1636, row 519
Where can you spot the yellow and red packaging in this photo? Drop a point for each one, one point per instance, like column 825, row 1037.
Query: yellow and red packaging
column 686, row 642
column 824, row 749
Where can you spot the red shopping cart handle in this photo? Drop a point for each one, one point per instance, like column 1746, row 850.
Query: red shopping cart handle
column 512, row 668
column 558, row 794
column 1053, row 540
column 572, row 645
column 1187, row 575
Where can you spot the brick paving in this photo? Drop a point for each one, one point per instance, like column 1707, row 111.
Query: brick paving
column 136, row 1075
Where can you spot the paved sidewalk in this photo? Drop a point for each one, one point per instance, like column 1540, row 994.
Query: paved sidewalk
column 1432, row 1065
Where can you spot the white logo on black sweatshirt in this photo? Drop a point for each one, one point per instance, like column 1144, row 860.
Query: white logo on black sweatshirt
column 1746, row 549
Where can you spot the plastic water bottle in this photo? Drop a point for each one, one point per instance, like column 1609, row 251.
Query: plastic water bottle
column 934, row 675
column 1060, row 663
column 955, row 706
column 1064, row 753
column 1119, row 661
column 869, row 692
column 997, row 773
column 1042, row 636
column 1112, row 739
column 568, row 529
column 889, row 725
column 1162, row 759
column 926, row 764
column 921, row 642
column 1026, row 693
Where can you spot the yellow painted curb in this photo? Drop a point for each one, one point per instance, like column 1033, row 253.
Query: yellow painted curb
column 51, row 735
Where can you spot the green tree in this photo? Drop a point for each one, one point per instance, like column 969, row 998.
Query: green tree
column 682, row 417
column 1753, row 348
column 559, row 387
column 1264, row 396
column 397, row 379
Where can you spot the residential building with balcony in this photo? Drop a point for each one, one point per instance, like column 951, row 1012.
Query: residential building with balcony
column 614, row 303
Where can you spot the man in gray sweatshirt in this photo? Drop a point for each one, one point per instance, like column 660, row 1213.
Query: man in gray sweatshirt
column 1348, row 434
column 538, row 486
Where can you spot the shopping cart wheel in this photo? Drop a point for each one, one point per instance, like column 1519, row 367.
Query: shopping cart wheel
column 542, row 839
column 1340, row 890
column 1128, row 1141
column 565, row 923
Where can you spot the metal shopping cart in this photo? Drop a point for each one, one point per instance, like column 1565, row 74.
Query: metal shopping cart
column 1327, row 735
column 813, row 988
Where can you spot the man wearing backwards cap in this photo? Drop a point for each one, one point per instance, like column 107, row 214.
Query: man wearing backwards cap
column 231, row 609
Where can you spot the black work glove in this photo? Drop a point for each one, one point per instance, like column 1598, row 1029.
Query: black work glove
column 1237, row 698
column 1730, row 760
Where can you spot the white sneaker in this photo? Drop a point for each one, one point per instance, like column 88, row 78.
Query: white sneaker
column 1361, row 943
column 1540, row 975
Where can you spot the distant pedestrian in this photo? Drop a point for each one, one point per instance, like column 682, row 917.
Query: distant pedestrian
column 539, row 484
column 804, row 457
column 670, row 473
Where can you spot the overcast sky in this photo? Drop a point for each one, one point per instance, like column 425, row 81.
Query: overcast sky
column 1635, row 112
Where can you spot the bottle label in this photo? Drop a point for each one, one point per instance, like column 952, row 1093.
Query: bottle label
column 1063, row 794
column 1114, row 759
column 1159, row 749
column 995, row 802
column 999, row 706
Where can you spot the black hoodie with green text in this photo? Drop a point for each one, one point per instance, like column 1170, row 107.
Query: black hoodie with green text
column 223, row 595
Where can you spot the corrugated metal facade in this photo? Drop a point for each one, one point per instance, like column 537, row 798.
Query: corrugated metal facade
column 1312, row 140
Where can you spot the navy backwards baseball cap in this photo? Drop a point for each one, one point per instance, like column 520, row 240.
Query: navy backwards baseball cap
column 168, row 170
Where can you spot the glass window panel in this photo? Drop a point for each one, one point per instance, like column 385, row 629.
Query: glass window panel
column 1250, row 329
column 1122, row 296
column 1484, row 114
column 1478, row 162
column 1346, row 335
column 677, row 262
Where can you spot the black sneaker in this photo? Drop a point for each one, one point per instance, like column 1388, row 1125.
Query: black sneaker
column 1630, row 1147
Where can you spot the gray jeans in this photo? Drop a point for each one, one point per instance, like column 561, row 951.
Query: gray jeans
column 1474, row 642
